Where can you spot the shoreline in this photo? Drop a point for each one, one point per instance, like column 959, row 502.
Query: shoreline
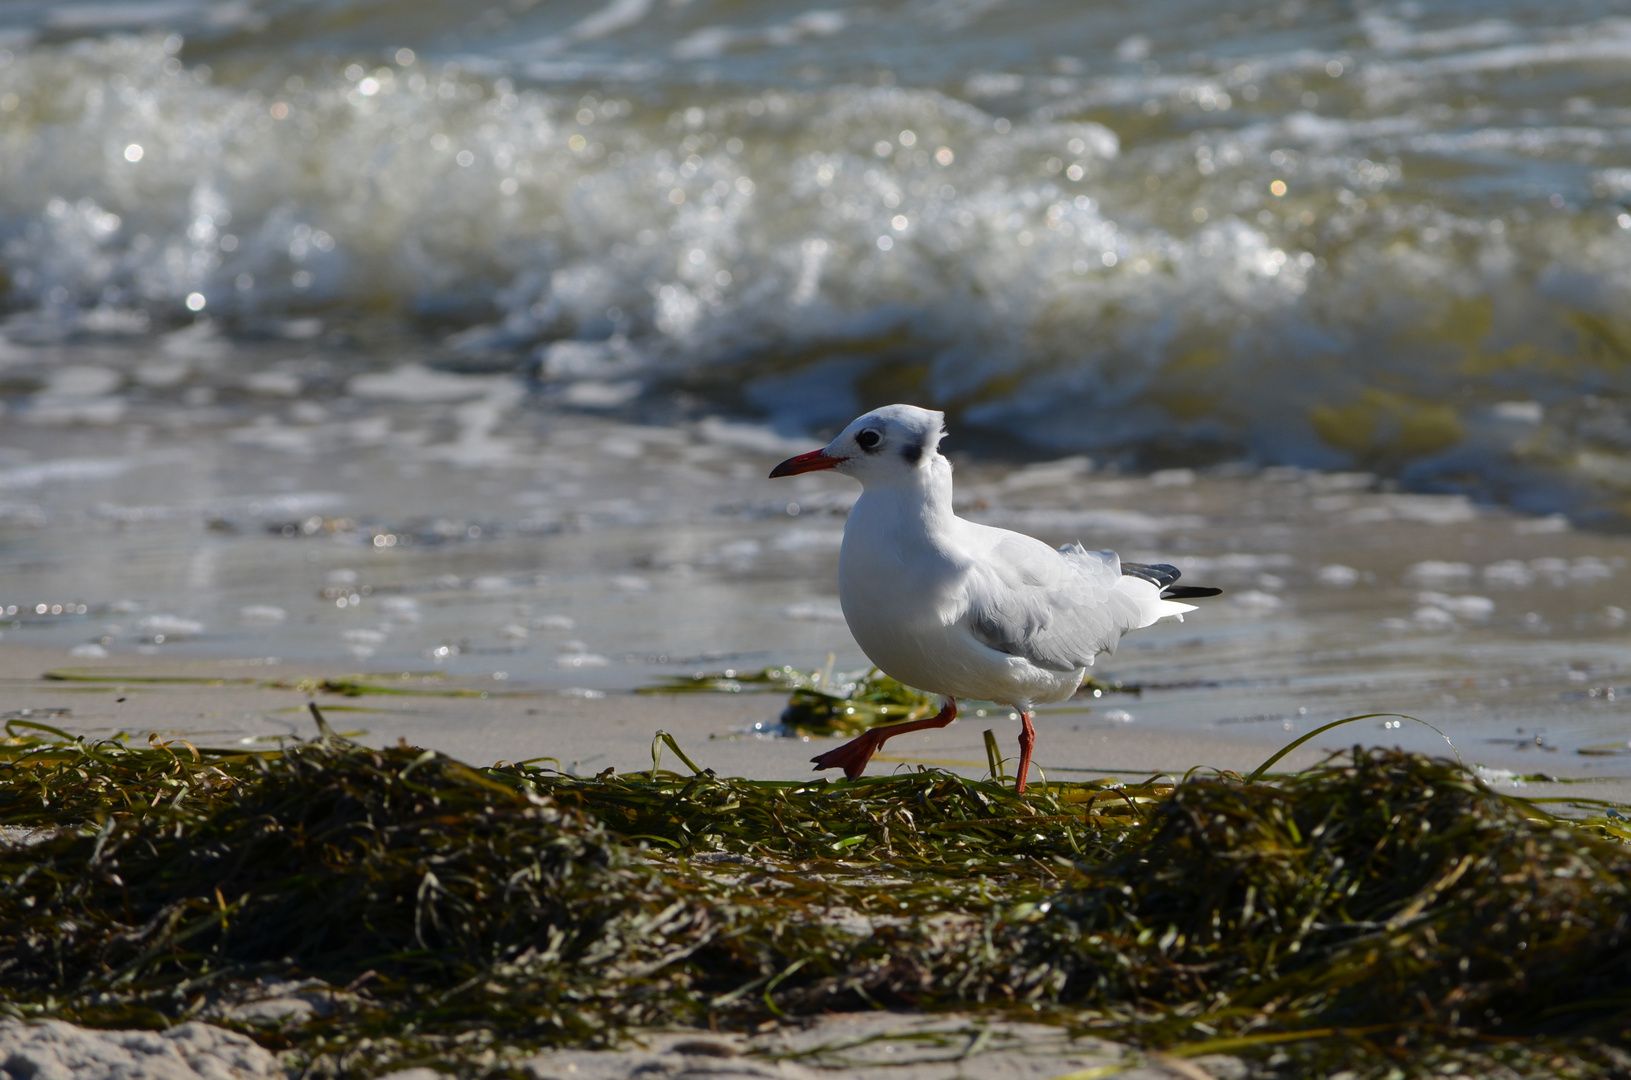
column 256, row 702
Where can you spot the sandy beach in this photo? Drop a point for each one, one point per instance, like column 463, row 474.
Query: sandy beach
column 250, row 703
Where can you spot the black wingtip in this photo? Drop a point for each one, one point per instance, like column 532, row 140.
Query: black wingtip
column 1161, row 575
column 1188, row 592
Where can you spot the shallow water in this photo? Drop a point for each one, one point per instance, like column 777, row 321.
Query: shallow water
column 1394, row 238
column 419, row 520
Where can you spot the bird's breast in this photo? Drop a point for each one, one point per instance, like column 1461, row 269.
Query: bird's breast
column 901, row 596
column 896, row 577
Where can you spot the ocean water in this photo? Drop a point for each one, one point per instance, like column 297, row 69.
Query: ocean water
column 1385, row 236
column 410, row 335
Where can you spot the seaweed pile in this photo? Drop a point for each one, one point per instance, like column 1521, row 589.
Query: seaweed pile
column 1384, row 914
column 820, row 702
column 824, row 702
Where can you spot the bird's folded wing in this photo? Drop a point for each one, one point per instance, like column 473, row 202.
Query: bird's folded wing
column 1056, row 610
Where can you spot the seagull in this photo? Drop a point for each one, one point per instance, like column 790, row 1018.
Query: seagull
column 965, row 610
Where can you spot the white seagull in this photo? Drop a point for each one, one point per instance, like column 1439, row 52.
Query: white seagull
column 965, row 610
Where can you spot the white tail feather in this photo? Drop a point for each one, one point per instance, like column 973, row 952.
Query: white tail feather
column 1151, row 608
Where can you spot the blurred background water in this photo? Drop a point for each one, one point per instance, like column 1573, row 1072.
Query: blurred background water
column 367, row 271
column 1391, row 236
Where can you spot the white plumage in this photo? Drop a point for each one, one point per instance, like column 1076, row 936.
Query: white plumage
column 962, row 609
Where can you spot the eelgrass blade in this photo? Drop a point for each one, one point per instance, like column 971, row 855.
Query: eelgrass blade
column 993, row 757
column 13, row 725
column 324, row 731
column 1257, row 773
column 657, row 753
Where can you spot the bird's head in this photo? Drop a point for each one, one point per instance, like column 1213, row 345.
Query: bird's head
column 889, row 444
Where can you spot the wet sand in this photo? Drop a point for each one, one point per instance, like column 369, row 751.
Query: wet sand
column 253, row 703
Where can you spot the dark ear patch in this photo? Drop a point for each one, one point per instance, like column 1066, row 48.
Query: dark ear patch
column 912, row 452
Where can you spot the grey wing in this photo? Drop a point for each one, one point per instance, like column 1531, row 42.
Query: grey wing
column 1057, row 609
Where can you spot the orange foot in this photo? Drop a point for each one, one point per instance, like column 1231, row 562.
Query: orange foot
column 853, row 755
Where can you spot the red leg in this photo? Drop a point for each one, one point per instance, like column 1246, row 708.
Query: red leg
column 853, row 755
column 1027, row 740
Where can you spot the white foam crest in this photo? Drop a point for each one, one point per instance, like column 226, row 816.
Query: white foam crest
column 170, row 625
column 1396, row 35
column 712, row 42
column 616, row 16
column 47, row 472
column 419, row 384
column 1211, row 90
column 1607, row 41
column 1523, row 140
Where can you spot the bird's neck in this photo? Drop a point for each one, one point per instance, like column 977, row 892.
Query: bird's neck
column 917, row 499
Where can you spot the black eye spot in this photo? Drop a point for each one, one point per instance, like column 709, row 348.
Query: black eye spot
column 866, row 440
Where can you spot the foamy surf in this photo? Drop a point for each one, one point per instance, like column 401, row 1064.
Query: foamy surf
column 1397, row 241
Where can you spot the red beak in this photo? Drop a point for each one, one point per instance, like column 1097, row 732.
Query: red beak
column 811, row 462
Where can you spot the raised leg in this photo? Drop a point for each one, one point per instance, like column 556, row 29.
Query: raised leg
column 1027, row 740
column 853, row 755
